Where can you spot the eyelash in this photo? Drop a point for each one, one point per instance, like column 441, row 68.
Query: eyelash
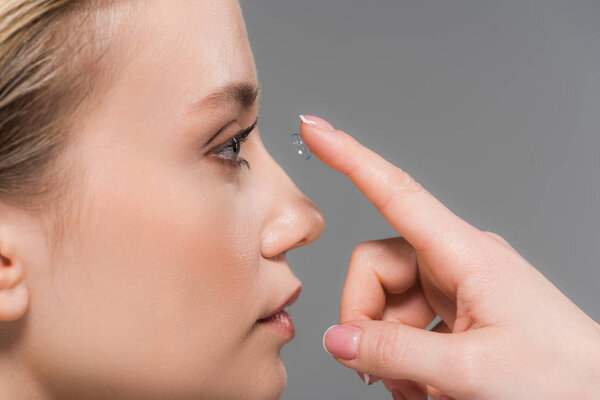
column 237, row 140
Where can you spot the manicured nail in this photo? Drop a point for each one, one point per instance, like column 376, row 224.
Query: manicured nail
column 368, row 379
column 363, row 377
column 398, row 395
column 342, row 341
column 316, row 121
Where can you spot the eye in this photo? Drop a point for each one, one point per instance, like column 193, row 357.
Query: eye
column 229, row 153
column 230, row 150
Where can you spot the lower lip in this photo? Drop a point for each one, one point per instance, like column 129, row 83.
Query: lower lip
column 281, row 322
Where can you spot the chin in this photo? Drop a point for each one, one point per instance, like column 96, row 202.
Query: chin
column 271, row 385
column 281, row 381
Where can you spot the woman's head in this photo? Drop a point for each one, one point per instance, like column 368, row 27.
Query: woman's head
column 137, row 254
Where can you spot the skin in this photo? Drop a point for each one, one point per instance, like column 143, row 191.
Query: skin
column 506, row 333
column 156, row 290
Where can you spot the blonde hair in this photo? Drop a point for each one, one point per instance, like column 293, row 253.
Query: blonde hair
column 51, row 57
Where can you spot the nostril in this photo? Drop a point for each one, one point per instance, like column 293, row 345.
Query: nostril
column 300, row 243
column 278, row 257
column 4, row 261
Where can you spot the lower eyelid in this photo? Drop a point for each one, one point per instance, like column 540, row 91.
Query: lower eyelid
column 228, row 162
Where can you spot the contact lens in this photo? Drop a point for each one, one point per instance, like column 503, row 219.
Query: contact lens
column 301, row 149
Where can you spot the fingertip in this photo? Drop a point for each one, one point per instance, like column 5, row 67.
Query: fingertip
column 342, row 341
column 324, row 336
column 330, row 146
column 318, row 122
column 316, row 132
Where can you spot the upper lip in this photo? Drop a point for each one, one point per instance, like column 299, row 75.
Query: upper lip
column 289, row 300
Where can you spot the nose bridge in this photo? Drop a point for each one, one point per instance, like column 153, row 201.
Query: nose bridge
column 293, row 219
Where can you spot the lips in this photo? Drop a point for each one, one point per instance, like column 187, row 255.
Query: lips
column 288, row 301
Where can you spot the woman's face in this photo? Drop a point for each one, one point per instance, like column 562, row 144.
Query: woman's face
column 178, row 250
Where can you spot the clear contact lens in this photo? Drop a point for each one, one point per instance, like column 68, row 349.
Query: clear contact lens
column 301, row 149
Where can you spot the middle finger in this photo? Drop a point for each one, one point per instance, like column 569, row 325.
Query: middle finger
column 383, row 284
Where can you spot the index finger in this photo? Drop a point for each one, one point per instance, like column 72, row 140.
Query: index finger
column 410, row 209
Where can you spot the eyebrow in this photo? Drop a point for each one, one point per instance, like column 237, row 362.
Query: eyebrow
column 243, row 93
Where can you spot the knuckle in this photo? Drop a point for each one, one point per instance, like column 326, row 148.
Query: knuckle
column 365, row 252
column 399, row 182
column 495, row 236
column 403, row 181
column 386, row 349
column 499, row 239
column 469, row 367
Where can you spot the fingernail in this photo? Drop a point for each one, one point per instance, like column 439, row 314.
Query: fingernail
column 398, row 395
column 444, row 397
column 316, row 121
column 342, row 341
column 363, row 377
column 368, row 379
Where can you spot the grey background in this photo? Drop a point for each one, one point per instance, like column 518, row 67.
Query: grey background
column 494, row 106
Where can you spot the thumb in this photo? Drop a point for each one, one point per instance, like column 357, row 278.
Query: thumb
column 393, row 350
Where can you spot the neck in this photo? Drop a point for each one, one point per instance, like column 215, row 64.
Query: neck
column 16, row 381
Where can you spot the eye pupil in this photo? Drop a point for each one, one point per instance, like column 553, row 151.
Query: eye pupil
column 236, row 147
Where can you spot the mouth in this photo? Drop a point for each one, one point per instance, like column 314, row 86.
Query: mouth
column 279, row 319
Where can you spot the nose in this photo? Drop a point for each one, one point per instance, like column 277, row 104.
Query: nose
column 293, row 220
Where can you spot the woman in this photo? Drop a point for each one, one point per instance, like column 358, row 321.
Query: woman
column 143, row 244
column 144, row 229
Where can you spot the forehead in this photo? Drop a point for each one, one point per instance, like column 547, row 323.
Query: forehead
column 183, row 49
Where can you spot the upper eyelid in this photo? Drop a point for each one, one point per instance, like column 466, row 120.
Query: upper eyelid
column 243, row 134
column 239, row 135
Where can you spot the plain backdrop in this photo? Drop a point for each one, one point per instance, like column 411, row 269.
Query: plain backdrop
column 494, row 106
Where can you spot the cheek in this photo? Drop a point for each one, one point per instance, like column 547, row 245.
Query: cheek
column 184, row 237
column 170, row 262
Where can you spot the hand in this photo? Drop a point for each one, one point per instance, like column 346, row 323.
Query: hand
column 507, row 332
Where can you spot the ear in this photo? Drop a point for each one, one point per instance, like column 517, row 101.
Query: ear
column 14, row 294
